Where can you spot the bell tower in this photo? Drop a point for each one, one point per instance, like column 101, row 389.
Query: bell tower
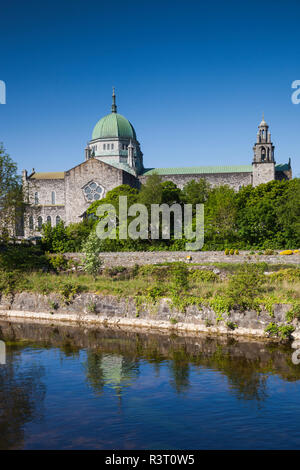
column 263, row 165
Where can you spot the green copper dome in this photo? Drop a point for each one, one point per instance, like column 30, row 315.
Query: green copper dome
column 113, row 125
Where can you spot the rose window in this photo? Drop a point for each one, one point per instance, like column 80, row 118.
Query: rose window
column 93, row 191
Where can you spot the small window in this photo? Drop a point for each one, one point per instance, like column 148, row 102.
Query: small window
column 49, row 220
column 112, row 146
column 104, row 146
column 40, row 222
column 108, row 146
column 31, row 223
column 53, row 197
column 36, row 198
column 57, row 219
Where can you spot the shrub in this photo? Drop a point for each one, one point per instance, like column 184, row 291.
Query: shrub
column 231, row 325
column 293, row 313
column 203, row 275
column 236, row 252
column 268, row 252
column 58, row 262
column 231, row 252
column 91, row 307
column 286, row 252
column 227, row 252
column 245, row 286
column 91, row 249
column 286, row 274
column 283, row 332
column 179, row 277
column 68, row 291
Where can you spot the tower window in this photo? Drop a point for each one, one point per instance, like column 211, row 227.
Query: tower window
column 49, row 220
column 36, row 198
column 53, row 197
column 57, row 220
column 107, row 146
column 104, row 146
column 40, row 222
column 112, row 146
column 31, row 223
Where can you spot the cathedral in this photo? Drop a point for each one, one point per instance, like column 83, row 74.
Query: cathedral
column 113, row 157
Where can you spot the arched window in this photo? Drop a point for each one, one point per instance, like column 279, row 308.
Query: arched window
column 263, row 154
column 40, row 222
column 53, row 197
column 36, row 198
column 49, row 220
column 31, row 223
column 57, row 220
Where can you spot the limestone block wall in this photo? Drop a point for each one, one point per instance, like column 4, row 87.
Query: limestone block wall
column 44, row 208
column 263, row 173
column 75, row 179
column 234, row 180
column 44, row 188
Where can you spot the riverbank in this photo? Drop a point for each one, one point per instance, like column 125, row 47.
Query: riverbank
column 113, row 311
column 257, row 300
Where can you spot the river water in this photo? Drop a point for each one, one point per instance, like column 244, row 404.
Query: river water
column 70, row 387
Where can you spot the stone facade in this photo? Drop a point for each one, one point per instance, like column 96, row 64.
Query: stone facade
column 113, row 157
column 234, row 180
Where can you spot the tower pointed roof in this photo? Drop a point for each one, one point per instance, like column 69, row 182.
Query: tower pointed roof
column 113, row 106
column 263, row 122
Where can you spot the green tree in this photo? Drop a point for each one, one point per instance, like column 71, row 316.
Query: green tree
column 195, row 192
column 220, row 216
column 151, row 192
column 11, row 200
column 171, row 194
column 91, row 249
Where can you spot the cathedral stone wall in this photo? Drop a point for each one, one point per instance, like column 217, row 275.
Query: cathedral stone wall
column 234, row 180
column 75, row 179
column 263, row 173
column 44, row 208
column 44, row 188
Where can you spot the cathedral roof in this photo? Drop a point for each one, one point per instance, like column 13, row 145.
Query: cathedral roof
column 113, row 125
column 199, row 170
column 196, row 170
column 54, row 175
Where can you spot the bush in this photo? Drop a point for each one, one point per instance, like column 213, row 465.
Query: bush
column 91, row 249
column 203, row 275
column 245, row 286
column 283, row 332
column 58, row 262
column 179, row 277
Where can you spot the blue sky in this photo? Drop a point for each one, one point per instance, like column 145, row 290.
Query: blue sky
column 193, row 77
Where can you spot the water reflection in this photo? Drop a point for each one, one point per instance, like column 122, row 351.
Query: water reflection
column 114, row 371
column 21, row 398
column 72, row 369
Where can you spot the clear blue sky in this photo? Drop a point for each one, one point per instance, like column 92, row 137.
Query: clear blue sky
column 193, row 77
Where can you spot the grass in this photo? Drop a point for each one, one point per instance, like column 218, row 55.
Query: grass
column 184, row 285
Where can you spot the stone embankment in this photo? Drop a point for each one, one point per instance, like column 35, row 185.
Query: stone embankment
column 126, row 258
column 87, row 308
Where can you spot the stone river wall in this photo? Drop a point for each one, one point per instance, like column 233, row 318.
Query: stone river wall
column 111, row 259
column 107, row 310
